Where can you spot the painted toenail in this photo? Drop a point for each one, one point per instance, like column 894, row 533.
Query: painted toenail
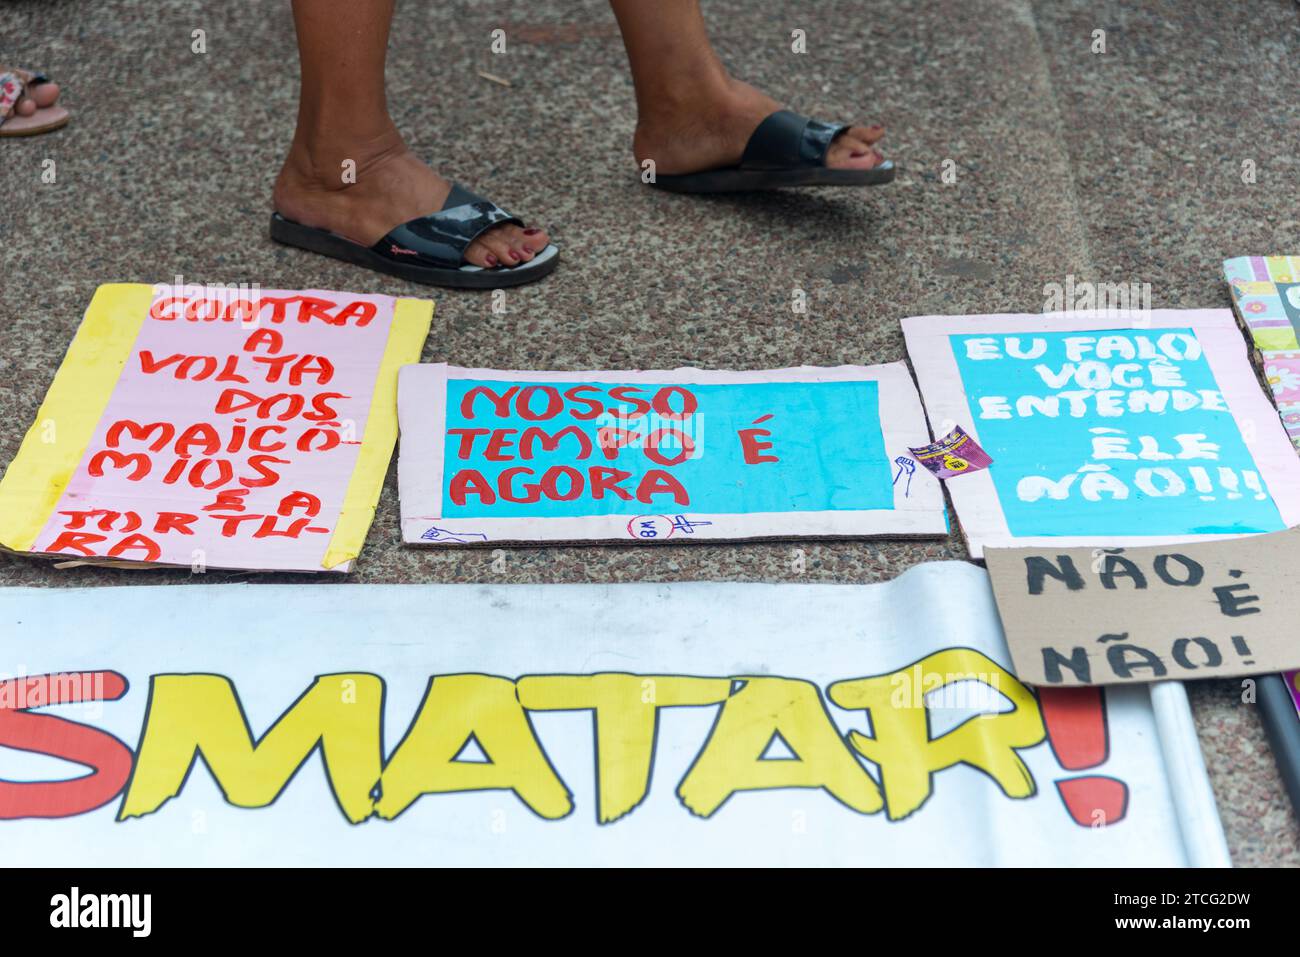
column 859, row 155
column 491, row 260
column 514, row 255
column 532, row 231
column 530, row 250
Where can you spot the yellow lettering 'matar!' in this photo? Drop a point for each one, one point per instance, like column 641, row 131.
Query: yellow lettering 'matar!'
column 732, row 759
column 200, row 715
column 456, row 707
column 626, row 714
column 901, row 744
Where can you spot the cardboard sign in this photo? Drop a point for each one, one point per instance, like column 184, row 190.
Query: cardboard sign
column 494, row 456
column 215, row 427
column 711, row 724
column 1119, row 431
column 1103, row 616
column 1266, row 294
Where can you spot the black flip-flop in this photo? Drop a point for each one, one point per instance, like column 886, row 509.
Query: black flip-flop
column 430, row 249
column 787, row 149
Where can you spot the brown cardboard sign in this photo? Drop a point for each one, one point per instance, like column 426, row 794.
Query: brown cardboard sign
column 1095, row 616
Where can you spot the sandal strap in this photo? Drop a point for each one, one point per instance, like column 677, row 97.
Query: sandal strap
column 441, row 238
column 789, row 140
column 11, row 91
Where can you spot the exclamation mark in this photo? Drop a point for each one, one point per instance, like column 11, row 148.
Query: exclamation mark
column 1243, row 649
column 1201, row 479
column 1228, row 479
column 1252, row 483
column 1075, row 719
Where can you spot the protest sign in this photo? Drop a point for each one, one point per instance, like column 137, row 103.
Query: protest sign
column 493, row 456
column 636, row 725
column 1266, row 294
column 1101, row 616
column 215, row 427
column 1103, row 430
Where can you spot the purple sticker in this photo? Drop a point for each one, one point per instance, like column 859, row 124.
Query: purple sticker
column 1291, row 678
column 955, row 454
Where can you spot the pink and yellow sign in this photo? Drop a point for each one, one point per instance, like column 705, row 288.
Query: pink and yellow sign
column 223, row 427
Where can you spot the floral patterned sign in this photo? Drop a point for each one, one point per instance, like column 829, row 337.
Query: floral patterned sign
column 1266, row 292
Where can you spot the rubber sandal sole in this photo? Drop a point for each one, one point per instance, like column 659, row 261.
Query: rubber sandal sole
column 745, row 180
column 325, row 243
column 45, row 120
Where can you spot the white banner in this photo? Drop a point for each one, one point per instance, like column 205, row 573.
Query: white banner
column 614, row 725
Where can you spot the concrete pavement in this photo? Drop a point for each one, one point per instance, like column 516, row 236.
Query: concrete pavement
column 1117, row 167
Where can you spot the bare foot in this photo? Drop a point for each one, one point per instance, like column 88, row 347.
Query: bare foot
column 712, row 131
column 392, row 186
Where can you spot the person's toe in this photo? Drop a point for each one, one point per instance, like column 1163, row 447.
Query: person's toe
column 856, row 149
column 480, row 253
column 867, row 134
column 507, row 245
column 535, row 239
column 44, row 94
column 523, row 246
column 497, row 242
column 25, row 106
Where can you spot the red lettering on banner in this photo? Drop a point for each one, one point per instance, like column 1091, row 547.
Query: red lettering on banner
column 639, row 406
column 500, row 441
column 505, row 486
column 524, row 403
column 77, row 541
column 751, row 445
column 469, row 482
column 607, row 480
column 303, row 501
column 550, row 443
column 467, row 436
column 109, row 760
column 271, row 338
column 140, row 433
column 611, row 439
column 359, row 313
column 147, row 547
column 138, row 463
column 657, row 482
column 266, row 411
column 500, row 402
column 664, row 408
column 655, row 439
column 174, row 522
column 594, row 409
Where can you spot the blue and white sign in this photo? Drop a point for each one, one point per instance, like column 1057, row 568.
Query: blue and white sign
column 1143, row 430
column 492, row 456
